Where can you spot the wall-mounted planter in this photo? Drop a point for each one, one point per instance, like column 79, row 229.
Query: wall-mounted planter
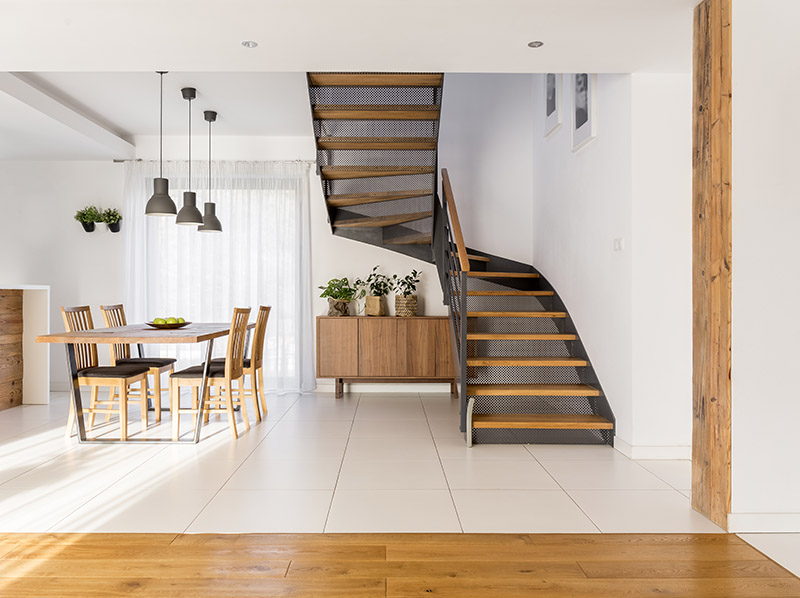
column 88, row 226
column 114, row 227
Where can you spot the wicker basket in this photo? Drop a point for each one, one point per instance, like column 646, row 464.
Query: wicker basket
column 405, row 306
column 374, row 306
column 337, row 307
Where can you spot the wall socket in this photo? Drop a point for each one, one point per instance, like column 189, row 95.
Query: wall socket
column 619, row 244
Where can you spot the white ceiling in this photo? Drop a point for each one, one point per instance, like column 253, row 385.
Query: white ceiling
column 98, row 58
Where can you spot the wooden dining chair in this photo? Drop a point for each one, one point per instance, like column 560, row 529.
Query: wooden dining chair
column 220, row 376
column 253, row 364
column 94, row 376
column 113, row 316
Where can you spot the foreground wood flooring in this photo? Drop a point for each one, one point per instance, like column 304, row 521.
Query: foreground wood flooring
column 393, row 565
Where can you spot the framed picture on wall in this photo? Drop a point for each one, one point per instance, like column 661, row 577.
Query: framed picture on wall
column 552, row 103
column 584, row 90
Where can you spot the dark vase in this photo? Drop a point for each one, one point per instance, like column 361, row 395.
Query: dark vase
column 88, row 226
column 113, row 227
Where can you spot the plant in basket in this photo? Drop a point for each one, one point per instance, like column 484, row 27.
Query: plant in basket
column 376, row 286
column 405, row 300
column 340, row 292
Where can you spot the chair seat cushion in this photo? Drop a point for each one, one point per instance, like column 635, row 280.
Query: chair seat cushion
column 114, row 371
column 221, row 361
column 150, row 362
column 215, row 370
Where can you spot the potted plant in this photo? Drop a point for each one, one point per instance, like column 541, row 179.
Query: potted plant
column 87, row 217
column 377, row 286
column 340, row 292
column 111, row 217
column 405, row 301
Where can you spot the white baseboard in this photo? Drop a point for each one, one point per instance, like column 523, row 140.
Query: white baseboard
column 652, row 452
column 764, row 522
column 327, row 385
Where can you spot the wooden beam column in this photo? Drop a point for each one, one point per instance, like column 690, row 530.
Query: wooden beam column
column 711, row 261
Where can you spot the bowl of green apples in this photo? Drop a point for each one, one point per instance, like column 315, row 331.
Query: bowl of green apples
column 168, row 323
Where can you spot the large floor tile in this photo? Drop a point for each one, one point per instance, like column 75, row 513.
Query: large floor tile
column 391, row 448
column 387, row 511
column 300, row 474
column 642, row 511
column 446, row 427
column 311, row 429
column 520, row 511
column 476, row 474
column 264, row 511
column 453, row 447
column 563, row 452
column 676, row 473
column 441, row 408
column 603, row 475
column 280, row 447
column 390, row 429
column 391, row 475
column 375, row 411
column 784, row 549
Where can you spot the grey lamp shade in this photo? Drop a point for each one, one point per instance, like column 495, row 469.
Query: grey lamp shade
column 160, row 204
column 189, row 214
column 211, row 223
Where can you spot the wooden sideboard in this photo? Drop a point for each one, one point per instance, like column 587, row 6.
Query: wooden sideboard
column 384, row 349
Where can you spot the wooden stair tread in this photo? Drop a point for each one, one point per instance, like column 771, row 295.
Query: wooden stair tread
column 533, row 390
column 376, row 143
column 489, row 336
column 474, row 258
column 379, row 221
column 376, row 79
column 547, row 421
column 357, row 199
column 375, row 112
column 510, row 293
column 364, row 172
column 418, row 239
column 478, row 274
column 516, row 314
column 528, row 361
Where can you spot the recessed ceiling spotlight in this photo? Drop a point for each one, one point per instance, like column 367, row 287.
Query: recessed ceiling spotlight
column 249, row 44
column 536, row 44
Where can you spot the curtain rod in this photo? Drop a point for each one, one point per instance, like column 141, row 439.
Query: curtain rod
column 117, row 161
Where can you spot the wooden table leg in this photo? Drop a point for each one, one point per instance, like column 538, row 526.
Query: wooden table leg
column 77, row 406
column 203, row 390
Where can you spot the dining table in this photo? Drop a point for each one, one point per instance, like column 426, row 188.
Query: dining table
column 138, row 334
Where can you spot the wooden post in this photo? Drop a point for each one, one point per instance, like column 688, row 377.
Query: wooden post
column 711, row 261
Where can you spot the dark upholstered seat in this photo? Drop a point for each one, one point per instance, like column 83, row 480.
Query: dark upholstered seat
column 113, row 371
column 221, row 361
column 215, row 370
column 151, row 362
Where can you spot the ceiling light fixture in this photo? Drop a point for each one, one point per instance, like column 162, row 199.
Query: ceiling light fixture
column 161, row 204
column 189, row 213
column 249, row 44
column 211, row 223
column 536, row 44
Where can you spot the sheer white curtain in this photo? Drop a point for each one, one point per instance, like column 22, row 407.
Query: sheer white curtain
column 262, row 257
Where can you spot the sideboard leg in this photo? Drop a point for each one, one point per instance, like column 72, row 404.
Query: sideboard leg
column 454, row 389
column 339, row 388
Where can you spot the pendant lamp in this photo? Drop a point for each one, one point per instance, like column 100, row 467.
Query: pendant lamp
column 161, row 204
column 189, row 213
column 211, row 223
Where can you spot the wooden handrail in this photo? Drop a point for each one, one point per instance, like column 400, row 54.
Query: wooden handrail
column 454, row 223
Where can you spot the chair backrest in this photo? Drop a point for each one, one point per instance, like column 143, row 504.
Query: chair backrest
column 237, row 340
column 114, row 316
column 257, row 352
column 77, row 319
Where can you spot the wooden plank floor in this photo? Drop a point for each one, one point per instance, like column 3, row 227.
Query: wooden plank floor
column 389, row 565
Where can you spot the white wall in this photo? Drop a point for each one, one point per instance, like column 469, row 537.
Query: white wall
column 42, row 243
column 484, row 142
column 766, row 287
column 632, row 307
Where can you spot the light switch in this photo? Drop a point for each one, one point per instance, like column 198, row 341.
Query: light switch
column 619, row 244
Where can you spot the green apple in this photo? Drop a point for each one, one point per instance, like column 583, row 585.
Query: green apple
column 159, row 321
column 172, row 321
column 181, row 321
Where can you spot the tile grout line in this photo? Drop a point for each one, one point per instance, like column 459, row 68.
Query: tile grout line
column 341, row 465
column 659, row 477
column 441, row 465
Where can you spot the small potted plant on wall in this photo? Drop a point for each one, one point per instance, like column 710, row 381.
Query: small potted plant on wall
column 87, row 217
column 377, row 286
column 111, row 217
column 340, row 292
column 405, row 301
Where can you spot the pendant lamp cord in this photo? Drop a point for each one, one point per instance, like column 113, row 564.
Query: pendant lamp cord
column 161, row 130
column 209, row 161
column 190, row 145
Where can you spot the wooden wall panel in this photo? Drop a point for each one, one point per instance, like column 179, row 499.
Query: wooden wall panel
column 711, row 239
column 337, row 347
column 11, row 366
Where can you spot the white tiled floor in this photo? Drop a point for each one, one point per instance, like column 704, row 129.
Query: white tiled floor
column 368, row 463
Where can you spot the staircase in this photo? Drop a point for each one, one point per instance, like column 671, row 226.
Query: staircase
column 524, row 374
